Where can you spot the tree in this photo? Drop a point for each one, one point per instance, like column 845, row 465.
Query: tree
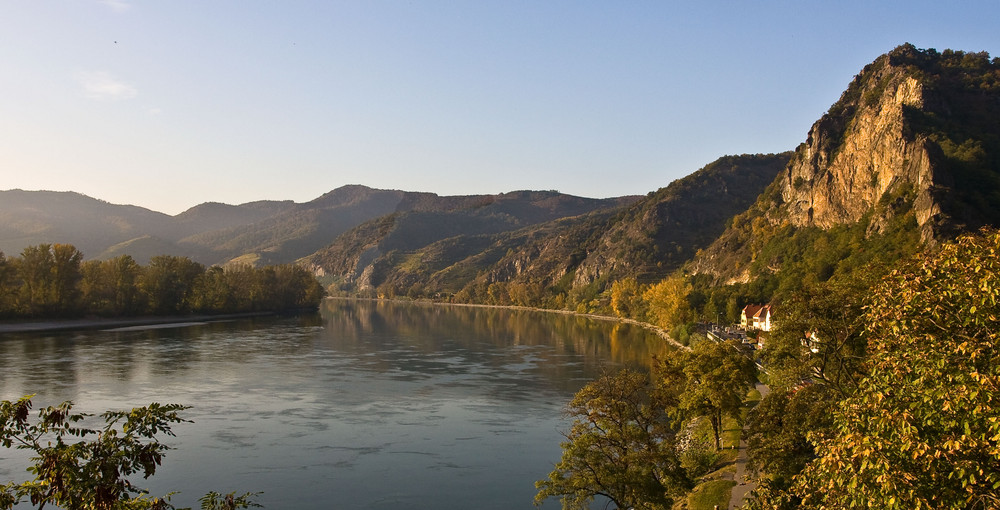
column 93, row 473
column 34, row 268
column 668, row 302
column 922, row 429
column 626, row 298
column 831, row 314
column 293, row 286
column 8, row 288
column 66, row 276
column 110, row 287
column 778, row 428
column 716, row 378
column 808, row 377
column 212, row 293
column 49, row 276
column 620, row 447
column 168, row 281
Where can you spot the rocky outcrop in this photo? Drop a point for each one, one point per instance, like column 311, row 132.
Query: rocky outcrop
column 913, row 140
column 838, row 175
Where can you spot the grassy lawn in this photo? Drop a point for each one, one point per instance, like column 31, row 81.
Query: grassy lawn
column 706, row 495
column 731, row 432
column 715, row 487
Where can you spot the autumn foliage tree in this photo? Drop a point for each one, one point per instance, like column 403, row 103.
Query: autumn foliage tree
column 626, row 299
column 923, row 428
column 668, row 302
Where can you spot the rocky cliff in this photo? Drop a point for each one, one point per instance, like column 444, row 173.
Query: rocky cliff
column 915, row 134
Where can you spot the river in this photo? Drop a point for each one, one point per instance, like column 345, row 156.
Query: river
column 363, row 405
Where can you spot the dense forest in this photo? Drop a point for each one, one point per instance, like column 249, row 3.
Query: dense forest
column 54, row 281
column 892, row 404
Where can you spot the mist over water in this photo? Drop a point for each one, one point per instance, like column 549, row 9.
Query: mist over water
column 364, row 405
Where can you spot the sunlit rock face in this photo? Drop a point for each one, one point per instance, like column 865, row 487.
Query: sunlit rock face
column 847, row 165
column 914, row 137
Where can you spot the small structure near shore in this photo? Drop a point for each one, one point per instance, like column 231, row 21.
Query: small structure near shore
column 756, row 317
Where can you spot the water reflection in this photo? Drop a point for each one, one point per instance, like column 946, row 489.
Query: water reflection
column 613, row 342
column 366, row 404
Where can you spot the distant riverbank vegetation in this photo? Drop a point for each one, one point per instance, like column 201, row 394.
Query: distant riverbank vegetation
column 53, row 281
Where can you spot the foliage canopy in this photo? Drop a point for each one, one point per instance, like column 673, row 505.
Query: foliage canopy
column 620, row 447
column 923, row 427
column 96, row 470
column 53, row 281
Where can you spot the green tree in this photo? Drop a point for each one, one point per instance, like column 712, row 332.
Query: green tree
column 778, row 428
column 49, row 275
column 8, row 286
column 168, row 281
column 111, row 287
column 94, row 472
column 66, row 277
column 34, row 269
column 717, row 377
column 815, row 358
column 293, row 286
column 620, row 447
column 831, row 314
column 249, row 287
column 212, row 294
column 922, row 429
column 215, row 501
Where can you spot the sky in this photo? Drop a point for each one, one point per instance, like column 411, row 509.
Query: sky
column 169, row 104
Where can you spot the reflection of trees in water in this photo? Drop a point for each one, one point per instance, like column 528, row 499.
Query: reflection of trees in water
column 53, row 363
column 432, row 327
column 564, row 351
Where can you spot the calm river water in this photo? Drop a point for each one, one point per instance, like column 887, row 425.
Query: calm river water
column 365, row 405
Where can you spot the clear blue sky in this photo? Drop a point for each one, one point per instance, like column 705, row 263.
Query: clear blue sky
column 167, row 104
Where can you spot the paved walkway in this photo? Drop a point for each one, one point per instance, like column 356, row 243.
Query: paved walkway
column 744, row 484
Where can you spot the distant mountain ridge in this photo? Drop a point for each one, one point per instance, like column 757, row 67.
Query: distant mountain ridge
column 909, row 155
column 256, row 232
column 33, row 217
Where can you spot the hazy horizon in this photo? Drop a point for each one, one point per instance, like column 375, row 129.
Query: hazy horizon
column 169, row 105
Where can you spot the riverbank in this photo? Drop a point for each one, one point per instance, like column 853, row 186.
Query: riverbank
column 39, row 326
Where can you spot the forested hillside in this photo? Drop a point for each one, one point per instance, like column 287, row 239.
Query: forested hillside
column 894, row 166
column 558, row 263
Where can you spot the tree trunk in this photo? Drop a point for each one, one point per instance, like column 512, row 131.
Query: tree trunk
column 716, row 420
